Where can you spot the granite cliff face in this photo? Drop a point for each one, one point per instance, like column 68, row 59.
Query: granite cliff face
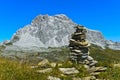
column 55, row 31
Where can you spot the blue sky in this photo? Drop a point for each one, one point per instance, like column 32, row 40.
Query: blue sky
column 102, row 15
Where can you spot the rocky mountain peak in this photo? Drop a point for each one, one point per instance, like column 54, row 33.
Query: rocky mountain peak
column 47, row 18
column 54, row 31
column 45, row 31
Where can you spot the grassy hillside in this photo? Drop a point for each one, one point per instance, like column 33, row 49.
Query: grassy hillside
column 107, row 58
column 13, row 70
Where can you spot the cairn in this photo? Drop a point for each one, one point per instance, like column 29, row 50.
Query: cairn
column 79, row 48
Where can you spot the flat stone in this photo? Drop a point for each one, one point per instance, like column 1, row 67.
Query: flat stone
column 53, row 78
column 69, row 70
column 89, row 58
column 78, row 43
column 93, row 63
column 83, row 57
column 43, row 63
column 89, row 78
column 77, row 51
column 73, row 54
column 97, row 69
column 63, row 75
column 47, row 70
column 78, row 33
column 95, row 73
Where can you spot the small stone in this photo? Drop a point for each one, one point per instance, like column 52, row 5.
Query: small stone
column 43, row 63
column 53, row 64
column 97, row 69
column 85, row 54
column 77, row 33
column 93, row 63
column 83, row 57
column 77, row 51
column 89, row 58
column 48, row 70
column 69, row 70
column 53, row 78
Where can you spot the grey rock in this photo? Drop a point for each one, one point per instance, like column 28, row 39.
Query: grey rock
column 93, row 63
column 69, row 70
column 89, row 78
column 95, row 73
column 53, row 78
column 89, row 58
column 47, row 70
column 76, row 51
column 97, row 69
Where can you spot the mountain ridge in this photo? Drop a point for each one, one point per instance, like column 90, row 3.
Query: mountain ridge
column 55, row 31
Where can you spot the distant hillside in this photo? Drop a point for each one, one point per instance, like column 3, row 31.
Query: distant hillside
column 15, row 70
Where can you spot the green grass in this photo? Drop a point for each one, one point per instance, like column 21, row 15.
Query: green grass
column 11, row 70
column 14, row 70
column 107, row 58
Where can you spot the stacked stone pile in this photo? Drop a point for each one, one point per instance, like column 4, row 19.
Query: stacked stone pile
column 79, row 48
